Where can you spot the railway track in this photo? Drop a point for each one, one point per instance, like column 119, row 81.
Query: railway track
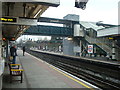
column 104, row 75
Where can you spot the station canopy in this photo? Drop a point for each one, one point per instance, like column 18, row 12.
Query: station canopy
column 18, row 15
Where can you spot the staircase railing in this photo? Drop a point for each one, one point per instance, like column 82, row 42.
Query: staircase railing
column 100, row 44
column 107, row 47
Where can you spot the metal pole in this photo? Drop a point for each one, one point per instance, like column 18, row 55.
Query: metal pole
column 80, row 48
column 8, row 5
column 113, row 51
column 24, row 10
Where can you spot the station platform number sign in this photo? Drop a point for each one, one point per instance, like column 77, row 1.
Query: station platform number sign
column 90, row 48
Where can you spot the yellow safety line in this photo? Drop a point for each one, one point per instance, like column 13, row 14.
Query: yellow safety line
column 72, row 78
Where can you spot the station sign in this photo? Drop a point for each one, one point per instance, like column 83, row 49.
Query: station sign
column 8, row 19
column 18, row 21
column 90, row 48
column 111, row 38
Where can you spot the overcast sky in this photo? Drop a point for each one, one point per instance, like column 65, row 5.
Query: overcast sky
column 96, row 10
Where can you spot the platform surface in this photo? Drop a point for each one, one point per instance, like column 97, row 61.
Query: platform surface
column 39, row 74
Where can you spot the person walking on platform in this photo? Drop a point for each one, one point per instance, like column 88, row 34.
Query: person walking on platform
column 23, row 50
column 13, row 53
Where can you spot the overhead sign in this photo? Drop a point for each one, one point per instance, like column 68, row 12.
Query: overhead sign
column 90, row 48
column 18, row 21
column 8, row 19
column 111, row 38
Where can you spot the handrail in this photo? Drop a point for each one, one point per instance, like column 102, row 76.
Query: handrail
column 106, row 47
column 99, row 43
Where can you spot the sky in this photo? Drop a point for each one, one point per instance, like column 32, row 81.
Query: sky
column 96, row 10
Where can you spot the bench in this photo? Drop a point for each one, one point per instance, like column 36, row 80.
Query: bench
column 15, row 71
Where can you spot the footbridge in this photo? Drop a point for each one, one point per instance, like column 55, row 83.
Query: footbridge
column 65, row 30
column 49, row 30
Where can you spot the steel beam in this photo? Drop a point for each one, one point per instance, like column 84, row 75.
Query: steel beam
column 54, row 20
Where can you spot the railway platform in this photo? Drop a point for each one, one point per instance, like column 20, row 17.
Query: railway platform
column 39, row 74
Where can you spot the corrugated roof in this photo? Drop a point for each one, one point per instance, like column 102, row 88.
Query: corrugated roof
column 91, row 25
column 112, row 31
column 114, row 27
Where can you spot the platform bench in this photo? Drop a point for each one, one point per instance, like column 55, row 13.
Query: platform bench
column 15, row 71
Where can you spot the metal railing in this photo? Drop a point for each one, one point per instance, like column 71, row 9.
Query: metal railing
column 105, row 45
column 99, row 43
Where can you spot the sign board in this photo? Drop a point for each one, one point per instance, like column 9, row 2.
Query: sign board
column 8, row 19
column 90, row 48
column 18, row 21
